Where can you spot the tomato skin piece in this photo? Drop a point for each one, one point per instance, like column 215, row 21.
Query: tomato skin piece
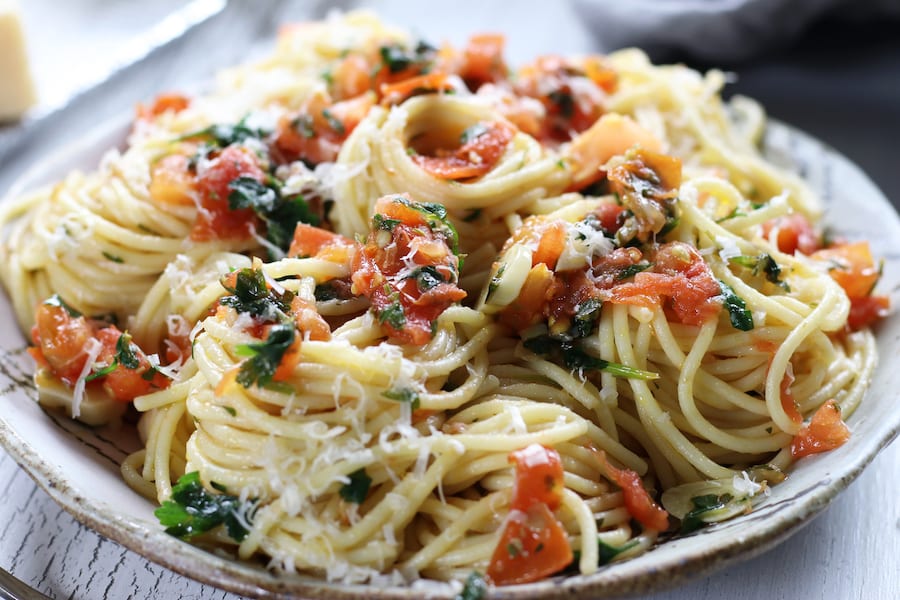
column 316, row 242
column 794, row 233
column 551, row 245
column 533, row 544
column 316, row 132
column 852, row 267
column 638, row 502
column 215, row 220
column 825, row 431
column 351, row 77
column 401, row 90
column 471, row 160
column 787, row 398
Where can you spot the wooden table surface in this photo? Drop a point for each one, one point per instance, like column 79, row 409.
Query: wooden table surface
column 850, row 551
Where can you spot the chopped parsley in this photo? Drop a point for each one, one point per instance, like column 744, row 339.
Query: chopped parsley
column 250, row 294
column 762, row 264
column 741, row 317
column 632, row 270
column 496, row 280
column 564, row 101
column 222, row 135
column 265, row 357
column 112, row 257
column 436, row 216
column 280, row 214
column 357, row 488
column 382, row 223
column 707, row 503
column 607, row 552
column 576, row 359
column 473, row 215
column 193, row 510
column 475, row 588
column 393, row 315
column 334, row 122
column 586, row 315
column 404, row 396
column 125, row 356
column 303, row 125
column 427, row 277
column 397, row 58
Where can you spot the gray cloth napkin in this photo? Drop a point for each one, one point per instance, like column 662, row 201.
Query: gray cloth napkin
column 716, row 30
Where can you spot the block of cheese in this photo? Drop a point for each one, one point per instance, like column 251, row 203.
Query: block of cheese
column 16, row 87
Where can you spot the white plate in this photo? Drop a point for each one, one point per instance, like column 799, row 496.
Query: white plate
column 78, row 466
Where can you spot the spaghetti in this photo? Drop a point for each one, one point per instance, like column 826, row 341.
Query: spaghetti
column 389, row 311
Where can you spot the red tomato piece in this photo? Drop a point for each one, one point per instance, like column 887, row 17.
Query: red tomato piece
column 483, row 60
column 61, row 340
column 787, row 398
column 551, row 244
column 351, row 77
column 403, row 89
column 533, row 545
column 680, row 276
column 313, row 241
column 163, row 103
column 539, row 477
column 794, row 233
column 215, row 220
column 474, row 158
column 317, row 131
column 638, row 502
column 826, row 431
column 865, row 311
column 125, row 384
column 852, row 266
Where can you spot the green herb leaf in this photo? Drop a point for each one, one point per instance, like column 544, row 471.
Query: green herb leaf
column 586, row 315
column 741, row 317
column 765, row 264
column 576, row 359
column 427, row 277
column 265, row 357
column 247, row 192
column 193, row 510
column 607, row 552
column 436, row 217
column 393, row 315
column 103, row 372
column 125, row 354
column 250, row 294
column 334, row 122
column 404, row 395
column 222, row 135
column 563, row 101
column 112, row 257
column 632, row 270
column 358, row 488
column 303, row 125
column 382, row 223
column 473, row 215
column 704, row 504
column 475, row 588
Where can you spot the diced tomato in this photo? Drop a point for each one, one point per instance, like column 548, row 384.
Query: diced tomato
column 125, row 384
column 62, row 344
column 351, row 77
column 163, row 103
column 62, row 341
column 309, row 321
column 792, row 233
column 314, row 241
column 852, row 266
column 551, row 244
column 647, row 184
column 865, row 311
column 826, row 431
column 680, row 276
column 608, row 214
column 316, row 132
column 215, row 220
column 529, row 306
column 533, row 544
column 410, row 277
column 483, row 60
column 610, row 136
column 431, row 83
column 474, row 158
column 572, row 98
column 172, row 182
column 289, row 361
column 638, row 502
column 539, row 477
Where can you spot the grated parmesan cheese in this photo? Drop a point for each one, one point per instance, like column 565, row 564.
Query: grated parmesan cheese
column 93, row 348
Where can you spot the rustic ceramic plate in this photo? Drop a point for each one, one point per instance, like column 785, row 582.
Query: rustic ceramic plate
column 79, row 466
